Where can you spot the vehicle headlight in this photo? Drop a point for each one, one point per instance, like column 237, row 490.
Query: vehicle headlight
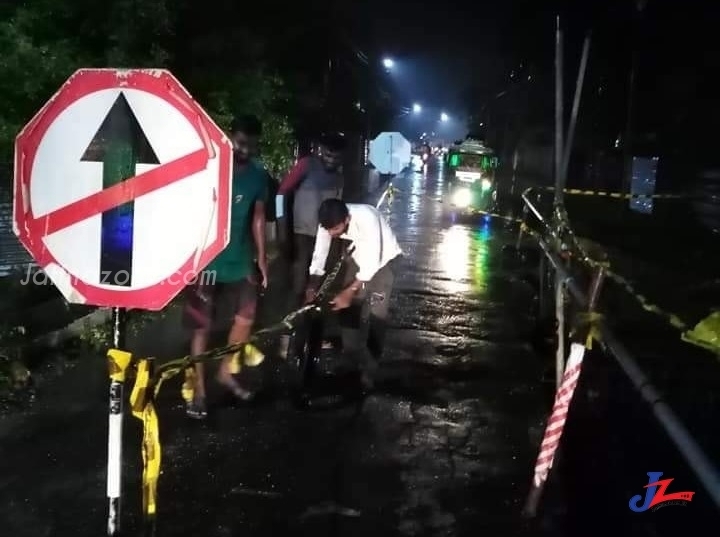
column 462, row 197
column 486, row 184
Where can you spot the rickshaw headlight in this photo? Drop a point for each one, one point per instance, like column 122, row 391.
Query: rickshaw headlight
column 462, row 198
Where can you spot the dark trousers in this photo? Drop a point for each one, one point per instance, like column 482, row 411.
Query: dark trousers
column 364, row 324
column 303, row 246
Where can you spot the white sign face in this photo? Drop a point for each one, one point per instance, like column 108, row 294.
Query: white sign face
column 390, row 153
column 169, row 224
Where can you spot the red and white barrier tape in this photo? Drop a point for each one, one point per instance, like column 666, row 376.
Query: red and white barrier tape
column 556, row 423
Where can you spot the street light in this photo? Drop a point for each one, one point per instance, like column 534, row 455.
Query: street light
column 388, row 63
column 444, row 117
column 417, row 108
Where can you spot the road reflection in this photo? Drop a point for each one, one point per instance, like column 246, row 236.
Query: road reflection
column 462, row 256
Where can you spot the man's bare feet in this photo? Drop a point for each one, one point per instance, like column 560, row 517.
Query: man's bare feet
column 228, row 382
column 196, row 408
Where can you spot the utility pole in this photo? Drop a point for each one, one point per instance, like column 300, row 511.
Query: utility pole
column 640, row 6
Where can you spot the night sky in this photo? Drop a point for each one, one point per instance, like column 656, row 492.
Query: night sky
column 445, row 50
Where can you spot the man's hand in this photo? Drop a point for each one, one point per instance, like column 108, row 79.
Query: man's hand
column 342, row 300
column 263, row 267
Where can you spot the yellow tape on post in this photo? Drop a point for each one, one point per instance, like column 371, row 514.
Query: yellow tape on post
column 250, row 356
column 143, row 408
column 706, row 333
column 590, row 321
column 118, row 362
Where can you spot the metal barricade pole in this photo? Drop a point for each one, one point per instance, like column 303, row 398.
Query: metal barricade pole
column 703, row 468
column 560, row 319
column 567, row 384
column 542, row 274
column 118, row 361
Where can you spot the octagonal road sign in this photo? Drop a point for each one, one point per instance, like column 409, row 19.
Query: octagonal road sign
column 122, row 188
column 390, row 153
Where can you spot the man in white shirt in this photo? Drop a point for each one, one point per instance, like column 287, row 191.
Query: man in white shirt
column 374, row 250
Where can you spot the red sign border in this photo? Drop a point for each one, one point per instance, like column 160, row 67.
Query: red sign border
column 164, row 85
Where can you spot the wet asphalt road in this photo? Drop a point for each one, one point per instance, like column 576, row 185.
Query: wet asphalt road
column 444, row 447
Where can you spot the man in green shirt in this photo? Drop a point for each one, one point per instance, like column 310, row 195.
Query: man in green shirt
column 232, row 278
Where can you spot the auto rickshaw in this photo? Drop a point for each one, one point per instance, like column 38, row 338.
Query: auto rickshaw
column 470, row 178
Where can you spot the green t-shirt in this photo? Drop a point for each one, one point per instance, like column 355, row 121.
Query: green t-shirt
column 237, row 260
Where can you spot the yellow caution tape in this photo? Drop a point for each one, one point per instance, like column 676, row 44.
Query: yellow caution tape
column 249, row 355
column 706, row 333
column 118, row 362
column 616, row 195
column 699, row 336
column 143, row 408
column 674, row 320
column 148, row 383
column 188, row 386
column 590, row 322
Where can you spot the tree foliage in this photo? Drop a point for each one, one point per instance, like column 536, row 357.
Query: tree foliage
column 30, row 71
column 45, row 41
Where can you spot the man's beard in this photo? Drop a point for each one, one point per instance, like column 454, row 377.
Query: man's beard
column 240, row 159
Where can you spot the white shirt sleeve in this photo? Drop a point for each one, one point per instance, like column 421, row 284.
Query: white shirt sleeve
column 320, row 253
column 368, row 251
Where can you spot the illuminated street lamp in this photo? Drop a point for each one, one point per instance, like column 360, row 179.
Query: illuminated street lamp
column 444, row 117
column 417, row 108
column 388, row 63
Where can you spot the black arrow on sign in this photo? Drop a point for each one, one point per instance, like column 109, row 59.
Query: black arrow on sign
column 120, row 144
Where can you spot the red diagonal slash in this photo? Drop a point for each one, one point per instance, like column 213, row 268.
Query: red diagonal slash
column 124, row 192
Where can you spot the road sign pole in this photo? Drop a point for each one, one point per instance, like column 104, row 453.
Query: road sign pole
column 115, row 427
column 391, row 156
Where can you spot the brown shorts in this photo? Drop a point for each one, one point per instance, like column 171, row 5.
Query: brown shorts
column 217, row 305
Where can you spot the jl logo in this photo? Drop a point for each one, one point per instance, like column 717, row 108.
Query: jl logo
column 238, row 198
column 655, row 495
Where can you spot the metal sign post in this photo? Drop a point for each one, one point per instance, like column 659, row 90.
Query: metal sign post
column 122, row 195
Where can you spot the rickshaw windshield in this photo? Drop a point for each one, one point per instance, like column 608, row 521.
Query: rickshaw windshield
column 473, row 160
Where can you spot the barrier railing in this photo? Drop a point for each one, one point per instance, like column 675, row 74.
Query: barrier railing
column 706, row 472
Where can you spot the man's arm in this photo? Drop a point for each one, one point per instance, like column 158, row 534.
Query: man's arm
column 341, row 186
column 258, row 230
column 368, row 254
column 320, row 254
column 294, row 176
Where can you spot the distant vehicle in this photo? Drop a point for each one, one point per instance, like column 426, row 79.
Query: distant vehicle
column 470, row 176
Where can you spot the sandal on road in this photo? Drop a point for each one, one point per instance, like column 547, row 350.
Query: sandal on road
column 196, row 409
column 235, row 389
